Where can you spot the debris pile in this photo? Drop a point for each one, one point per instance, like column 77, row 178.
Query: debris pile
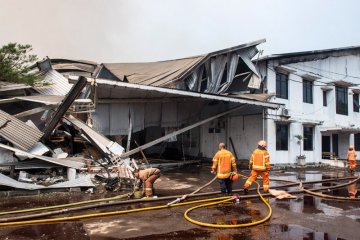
column 49, row 146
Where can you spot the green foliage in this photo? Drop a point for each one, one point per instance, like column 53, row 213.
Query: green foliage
column 15, row 60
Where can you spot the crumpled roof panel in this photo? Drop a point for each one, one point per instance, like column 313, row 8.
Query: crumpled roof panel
column 153, row 73
column 17, row 132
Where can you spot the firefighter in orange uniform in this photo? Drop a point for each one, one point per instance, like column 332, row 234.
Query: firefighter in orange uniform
column 146, row 178
column 351, row 157
column 259, row 165
column 224, row 165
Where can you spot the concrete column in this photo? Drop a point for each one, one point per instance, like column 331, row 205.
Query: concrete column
column 351, row 139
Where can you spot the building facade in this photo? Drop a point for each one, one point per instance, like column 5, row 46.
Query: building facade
column 320, row 116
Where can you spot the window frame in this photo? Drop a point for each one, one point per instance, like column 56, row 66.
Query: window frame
column 356, row 102
column 308, row 143
column 308, row 91
column 281, row 80
column 325, row 102
column 341, row 93
column 279, row 142
column 357, row 141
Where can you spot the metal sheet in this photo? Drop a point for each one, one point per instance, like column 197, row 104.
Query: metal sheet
column 57, row 84
column 82, row 181
column 104, row 143
column 7, row 86
column 44, row 99
column 17, row 132
column 151, row 91
column 166, row 73
column 66, row 162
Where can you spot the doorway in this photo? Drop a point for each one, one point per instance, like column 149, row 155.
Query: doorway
column 335, row 144
column 325, row 146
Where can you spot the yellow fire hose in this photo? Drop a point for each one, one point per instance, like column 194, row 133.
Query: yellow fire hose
column 66, row 205
column 204, row 203
column 104, row 214
column 186, row 216
column 218, row 200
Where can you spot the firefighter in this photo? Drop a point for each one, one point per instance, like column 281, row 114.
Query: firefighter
column 259, row 165
column 351, row 157
column 146, row 178
column 224, row 165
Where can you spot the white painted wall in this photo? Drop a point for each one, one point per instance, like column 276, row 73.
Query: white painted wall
column 245, row 131
column 328, row 70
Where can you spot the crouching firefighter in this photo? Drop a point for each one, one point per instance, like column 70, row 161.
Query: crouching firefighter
column 146, row 178
column 224, row 165
column 259, row 165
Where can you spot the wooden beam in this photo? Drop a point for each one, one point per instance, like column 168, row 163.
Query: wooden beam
column 170, row 135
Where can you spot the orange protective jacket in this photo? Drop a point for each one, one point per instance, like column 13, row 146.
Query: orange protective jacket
column 260, row 160
column 224, row 164
column 351, row 155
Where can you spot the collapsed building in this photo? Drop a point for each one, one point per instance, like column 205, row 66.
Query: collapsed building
column 100, row 117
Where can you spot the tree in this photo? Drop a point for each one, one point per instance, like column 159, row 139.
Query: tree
column 15, row 62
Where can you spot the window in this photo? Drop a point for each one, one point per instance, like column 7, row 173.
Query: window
column 282, row 136
column 308, row 138
column 324, row 98
column 341, row 100
column 307, row 91
column 357, row 141
column 356, row 102
column 281, row 85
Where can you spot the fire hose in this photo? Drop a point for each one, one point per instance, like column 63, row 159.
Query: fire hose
column 203, row 203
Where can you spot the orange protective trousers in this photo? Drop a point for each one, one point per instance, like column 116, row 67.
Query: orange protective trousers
column 149, row 184
column 253, row 177
column 352, row 164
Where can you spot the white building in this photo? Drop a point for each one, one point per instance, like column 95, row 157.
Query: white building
column 320, row 92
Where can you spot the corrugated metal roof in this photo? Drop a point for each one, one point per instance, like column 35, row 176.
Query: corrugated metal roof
column 17, row 132
column 153, row 73
column 8, row 86
column 304, row 53
column 58, row 84
column 165, row 73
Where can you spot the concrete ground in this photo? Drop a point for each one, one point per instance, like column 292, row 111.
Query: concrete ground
column 306, row 217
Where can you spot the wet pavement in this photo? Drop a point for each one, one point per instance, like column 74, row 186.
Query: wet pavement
column 306, row 217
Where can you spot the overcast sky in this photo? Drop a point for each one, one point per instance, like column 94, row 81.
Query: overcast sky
column 150, row 30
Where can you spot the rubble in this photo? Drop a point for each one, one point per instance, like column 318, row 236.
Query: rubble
column 75, row 123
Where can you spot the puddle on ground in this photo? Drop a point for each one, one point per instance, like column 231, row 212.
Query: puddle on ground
column 225, row 214
column 266, row 231
column 68, row 231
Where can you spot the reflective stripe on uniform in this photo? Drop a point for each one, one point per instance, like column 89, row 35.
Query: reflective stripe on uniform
column 223, row 174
